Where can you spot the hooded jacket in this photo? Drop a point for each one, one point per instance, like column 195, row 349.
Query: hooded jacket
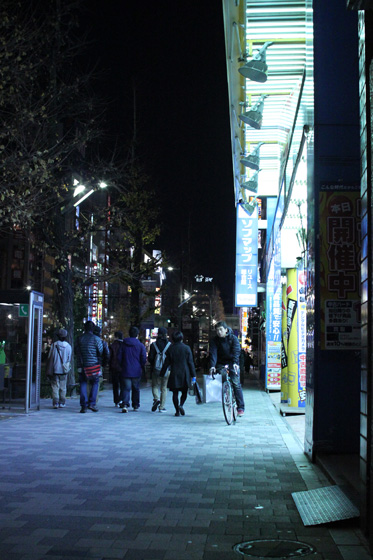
column 54, row 359
column 225, row 351
column 131, row 357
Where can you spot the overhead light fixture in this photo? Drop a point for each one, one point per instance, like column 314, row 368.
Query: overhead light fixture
column 252, row 160
column 83, row 198
column 252, row 183
column 249, row 207
column 254, row 117
column 78, row 189
column 256, row 69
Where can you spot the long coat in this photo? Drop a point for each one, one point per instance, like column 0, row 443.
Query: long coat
column 180, row 359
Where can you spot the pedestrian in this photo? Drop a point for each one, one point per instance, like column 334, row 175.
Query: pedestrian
column 114, row 366
column 58, row 367
column 156, row 358
column 89, row 352
column 132, row 358
column 248, row 362
column 179, row 358
column 225, row 350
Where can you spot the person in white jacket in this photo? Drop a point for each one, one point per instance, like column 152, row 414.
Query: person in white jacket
column 59, row 360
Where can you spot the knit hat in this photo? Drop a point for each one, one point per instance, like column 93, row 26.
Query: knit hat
column 62, row 333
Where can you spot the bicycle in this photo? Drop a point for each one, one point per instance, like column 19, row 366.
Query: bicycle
column 227, row 396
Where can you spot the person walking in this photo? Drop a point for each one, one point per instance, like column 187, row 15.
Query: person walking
column 156, row 358
column 225, row 350
column 179, row 359
column 132, row 358
column 114, row 366
column 58, row 367
column 89, row 352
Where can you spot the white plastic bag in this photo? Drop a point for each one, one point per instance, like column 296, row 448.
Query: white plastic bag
column 212, row 388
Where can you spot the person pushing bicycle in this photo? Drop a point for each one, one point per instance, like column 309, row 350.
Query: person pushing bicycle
column 225, row 351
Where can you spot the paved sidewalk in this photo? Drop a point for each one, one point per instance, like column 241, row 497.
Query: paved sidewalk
column 150, row 486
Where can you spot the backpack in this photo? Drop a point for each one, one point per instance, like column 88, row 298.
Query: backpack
column 160, row 358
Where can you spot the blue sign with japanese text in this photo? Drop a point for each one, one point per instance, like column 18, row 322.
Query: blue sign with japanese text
column 246, row 258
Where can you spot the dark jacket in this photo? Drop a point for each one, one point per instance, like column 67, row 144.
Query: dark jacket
column 104, row 360
column 180, row 359
column 89, row 350
column 131, row 357
column 225, row 351
column 114, row 364
column 161, row 343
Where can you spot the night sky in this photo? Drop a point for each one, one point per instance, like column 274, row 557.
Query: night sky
column 174, row 54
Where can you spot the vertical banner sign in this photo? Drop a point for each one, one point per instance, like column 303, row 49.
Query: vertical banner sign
column 284, row 350
column 292, row 335
column 243, row 325
column 302, row 337
column 246, row 258
column 273, row 332
column 340, row 267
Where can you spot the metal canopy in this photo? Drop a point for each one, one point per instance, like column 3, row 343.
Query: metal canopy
column 284, row 24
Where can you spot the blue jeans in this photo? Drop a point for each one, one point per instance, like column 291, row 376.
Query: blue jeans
column 237, row 389
column 94, row 385
column 128, row 385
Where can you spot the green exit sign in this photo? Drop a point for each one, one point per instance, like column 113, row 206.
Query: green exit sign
column 23, row 310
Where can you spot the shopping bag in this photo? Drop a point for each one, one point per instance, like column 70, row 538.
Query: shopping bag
column 212, row 388
column 197, row 393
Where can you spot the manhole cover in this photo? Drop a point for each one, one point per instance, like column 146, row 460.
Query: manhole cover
column 271, row 548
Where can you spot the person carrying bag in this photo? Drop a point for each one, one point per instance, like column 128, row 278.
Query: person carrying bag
column 156, row 358
column 89, row 354
column 58, row 367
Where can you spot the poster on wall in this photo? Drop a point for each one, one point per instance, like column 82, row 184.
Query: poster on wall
column 273, row 331
column 246, row 258
column 302, row 336
column 340, row 266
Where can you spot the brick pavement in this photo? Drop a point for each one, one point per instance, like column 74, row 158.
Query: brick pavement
column 150, row 486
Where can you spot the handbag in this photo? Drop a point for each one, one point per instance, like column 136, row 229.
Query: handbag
column 66, row 366
column 212, row 388
column 91, row 372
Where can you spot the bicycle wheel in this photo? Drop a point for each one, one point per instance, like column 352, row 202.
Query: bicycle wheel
column 227, row 402
column 234, row 407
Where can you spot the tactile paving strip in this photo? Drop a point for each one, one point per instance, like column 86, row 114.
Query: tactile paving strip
column 324, row 505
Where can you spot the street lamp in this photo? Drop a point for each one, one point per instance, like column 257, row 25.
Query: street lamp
column 80, row 194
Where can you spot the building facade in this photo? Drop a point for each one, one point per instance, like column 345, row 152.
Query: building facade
column 299, row 80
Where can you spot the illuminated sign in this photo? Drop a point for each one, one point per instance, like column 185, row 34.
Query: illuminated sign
column 246, row 258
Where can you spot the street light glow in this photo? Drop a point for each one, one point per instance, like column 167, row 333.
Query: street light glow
column 83, row 197
column 78, row 189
